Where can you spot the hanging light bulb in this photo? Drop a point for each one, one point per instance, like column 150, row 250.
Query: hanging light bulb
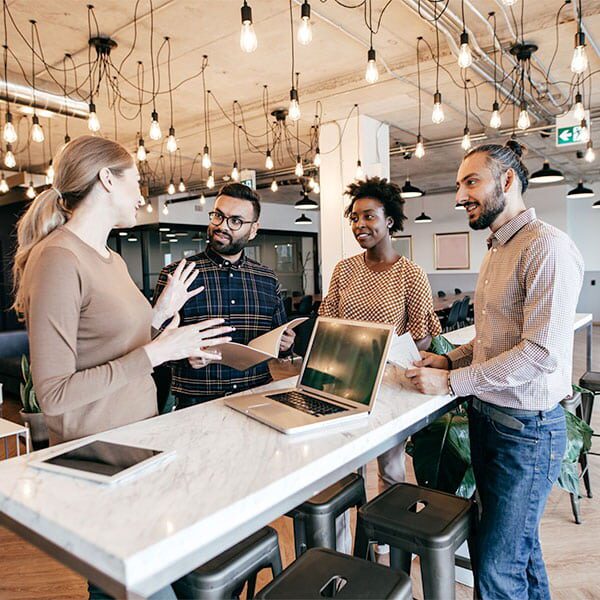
column 50, row 173
column 67, row 138
column 202, row 199
column 3, row 185
column 311, row 183
column 10, row 133
column 294, row 108
column 274, row 186
column 171, row 141
column 523, row 122
column 590, row 155
column 141, row 151
column 437, row 116
column 305, row 28
column 317, row 188
column 165, row 210
column 30, row 193
column 37, row 133
column 584, row 132
column 371, row 74
column 465, row 59
column 299, row 170
column 9, row 158
column 149, row 208
column 155, row 132
column 268, row 161
column 181, row 186
column 317, row 159
column 210, row 182
column 206, row 162
column 466, row 141
column 93, row 120
column 171, row 188
column 579, row 62
column 248, row 41
column 359, row 175
column 235, row 174
column 495, row 120
column 578, row 110
column 420, row 147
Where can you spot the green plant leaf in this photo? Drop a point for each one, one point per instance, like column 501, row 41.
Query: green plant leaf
column 440, row 345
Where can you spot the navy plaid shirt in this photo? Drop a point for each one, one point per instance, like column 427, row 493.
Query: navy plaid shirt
column 247, row 295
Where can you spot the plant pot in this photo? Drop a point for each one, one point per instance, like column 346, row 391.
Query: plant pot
column 37, row 427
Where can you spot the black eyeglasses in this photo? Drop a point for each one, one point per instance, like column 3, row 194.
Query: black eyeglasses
column 234, row 223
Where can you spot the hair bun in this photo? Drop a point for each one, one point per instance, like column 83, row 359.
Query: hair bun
column 517, row 148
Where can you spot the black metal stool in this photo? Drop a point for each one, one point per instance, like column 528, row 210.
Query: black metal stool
column 225, row 576
column 412, row 519
column 323, row 573
column 314, row 520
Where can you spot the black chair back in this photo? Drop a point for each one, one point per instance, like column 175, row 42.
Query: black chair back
column 463, row 314
column 452, row 321
column 287, row 304
column 441, row 294
column 305, row 305
column 457, row 291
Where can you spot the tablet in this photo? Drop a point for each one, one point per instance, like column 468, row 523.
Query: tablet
column 104, row 462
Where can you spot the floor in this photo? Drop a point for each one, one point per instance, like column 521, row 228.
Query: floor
column 572, row 552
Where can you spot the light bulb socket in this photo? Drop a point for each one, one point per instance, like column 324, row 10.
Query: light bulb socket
column 154, row 115
column 8, row 117
column 579, row 39
column 141, row 142
column 298, row 161
column 583, row 123
column 235, row 164
column 437, row 98
column 371, row 55
column 67, row 138
column 35, row 120
column 92, row 107
column 578, row 99
column 172, row 131
column 268, row 153
column 466, row 131
column 358, row 163
column 523, row 105
column 9, row 147
column 419, row 138
column 294, row 94
column 495, row 106
column 305, row 10
column 246, row 13
column 205, row 150
column 464, row 38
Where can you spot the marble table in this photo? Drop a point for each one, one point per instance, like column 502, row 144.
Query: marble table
column 230, row 477
column 466, row 334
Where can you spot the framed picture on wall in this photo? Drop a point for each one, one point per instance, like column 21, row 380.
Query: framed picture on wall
column 452, row 250
column 403, row 245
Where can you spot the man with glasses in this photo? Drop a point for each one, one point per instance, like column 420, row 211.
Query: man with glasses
column 240, row 290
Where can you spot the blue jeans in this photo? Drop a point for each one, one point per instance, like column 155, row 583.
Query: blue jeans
column 515, row 469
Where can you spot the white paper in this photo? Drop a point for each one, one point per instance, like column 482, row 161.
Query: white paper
column 403, row 351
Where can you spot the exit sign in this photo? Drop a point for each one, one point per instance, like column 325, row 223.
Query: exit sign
column 568, row 130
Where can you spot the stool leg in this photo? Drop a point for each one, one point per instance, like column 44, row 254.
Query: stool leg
column 251, row 586
column 320, row 531
column 575, row 508
column 437, row 574
column 361, row 539
column 276, row 566
column 300, row 544
column 400, row 560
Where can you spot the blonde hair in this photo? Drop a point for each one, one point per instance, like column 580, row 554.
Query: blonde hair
column 76, row 168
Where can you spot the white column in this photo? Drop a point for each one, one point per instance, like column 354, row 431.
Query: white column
column 338, row 168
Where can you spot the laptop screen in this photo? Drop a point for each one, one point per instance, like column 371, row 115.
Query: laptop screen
column 344, row 359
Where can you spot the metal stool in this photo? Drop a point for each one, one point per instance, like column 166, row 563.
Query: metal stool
column 412, row 519
column 314, row 520
column 225, row 576
column 323, row 573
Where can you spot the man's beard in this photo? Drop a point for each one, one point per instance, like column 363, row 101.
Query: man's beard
column 227, row 248
column 492, row 206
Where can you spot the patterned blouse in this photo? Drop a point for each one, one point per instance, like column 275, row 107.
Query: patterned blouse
column 400, row 296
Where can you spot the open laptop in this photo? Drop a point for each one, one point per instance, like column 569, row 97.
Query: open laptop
column 339, row 380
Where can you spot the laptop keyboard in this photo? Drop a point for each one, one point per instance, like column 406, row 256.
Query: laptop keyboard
column 307, row 404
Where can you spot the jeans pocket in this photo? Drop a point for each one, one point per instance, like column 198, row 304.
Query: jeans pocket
column 558, row 441
column 508, row 433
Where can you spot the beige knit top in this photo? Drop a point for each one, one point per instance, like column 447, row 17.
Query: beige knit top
column 87, row 323
column 400, row 296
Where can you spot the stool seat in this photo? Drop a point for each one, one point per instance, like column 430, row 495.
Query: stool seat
column 225, row 575
column 441, row 523
column 590, row 380
column 321, row 572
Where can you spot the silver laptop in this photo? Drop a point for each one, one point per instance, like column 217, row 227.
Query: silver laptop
column 339, row 380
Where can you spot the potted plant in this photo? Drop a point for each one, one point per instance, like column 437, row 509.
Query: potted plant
column 31, row 414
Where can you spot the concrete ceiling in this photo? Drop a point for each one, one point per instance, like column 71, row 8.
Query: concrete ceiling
column 331, row 72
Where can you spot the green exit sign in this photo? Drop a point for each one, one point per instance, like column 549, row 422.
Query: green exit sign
column 565, row 136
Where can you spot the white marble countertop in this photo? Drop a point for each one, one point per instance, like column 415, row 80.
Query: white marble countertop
column 466, row 334
column 231, row 475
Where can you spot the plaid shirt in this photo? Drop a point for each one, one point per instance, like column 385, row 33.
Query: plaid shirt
column 247, row 295
column 525, row 304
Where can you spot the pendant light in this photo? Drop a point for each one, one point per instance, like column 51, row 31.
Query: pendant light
column 50, row 173
column 4, row 185
column 155, row 131
column 181, row 186
column 465, row 58
column 141, row 151
column 268, row 160
column 596, row 204
column 305, row 28
column 171, row 139
column 317, row 158
column 371, row 72
column 420, row 146
column 9, row 133
column 9, row 158
column 306, row 203
column 171, row 188
column 423, row 218
column 459, row 206
column 303, row 220
column 589, row 156
column 206, row 160
column 437, row 115
column 30, row 193
column 165, row 210
column 248, row 41
column 523, row 122
column 210, row 182
column 495, row 119
column 410, row 191
column 274, row 186
column 546, row 175
column 578, row 109
column 580, row 191
column 299, row 169
column 235, row 173
column 37, row 133
column 466, row 140
column 584, row 132
column 93, row 121
column 294, row 107
column 202, row 199
column 579, row 62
